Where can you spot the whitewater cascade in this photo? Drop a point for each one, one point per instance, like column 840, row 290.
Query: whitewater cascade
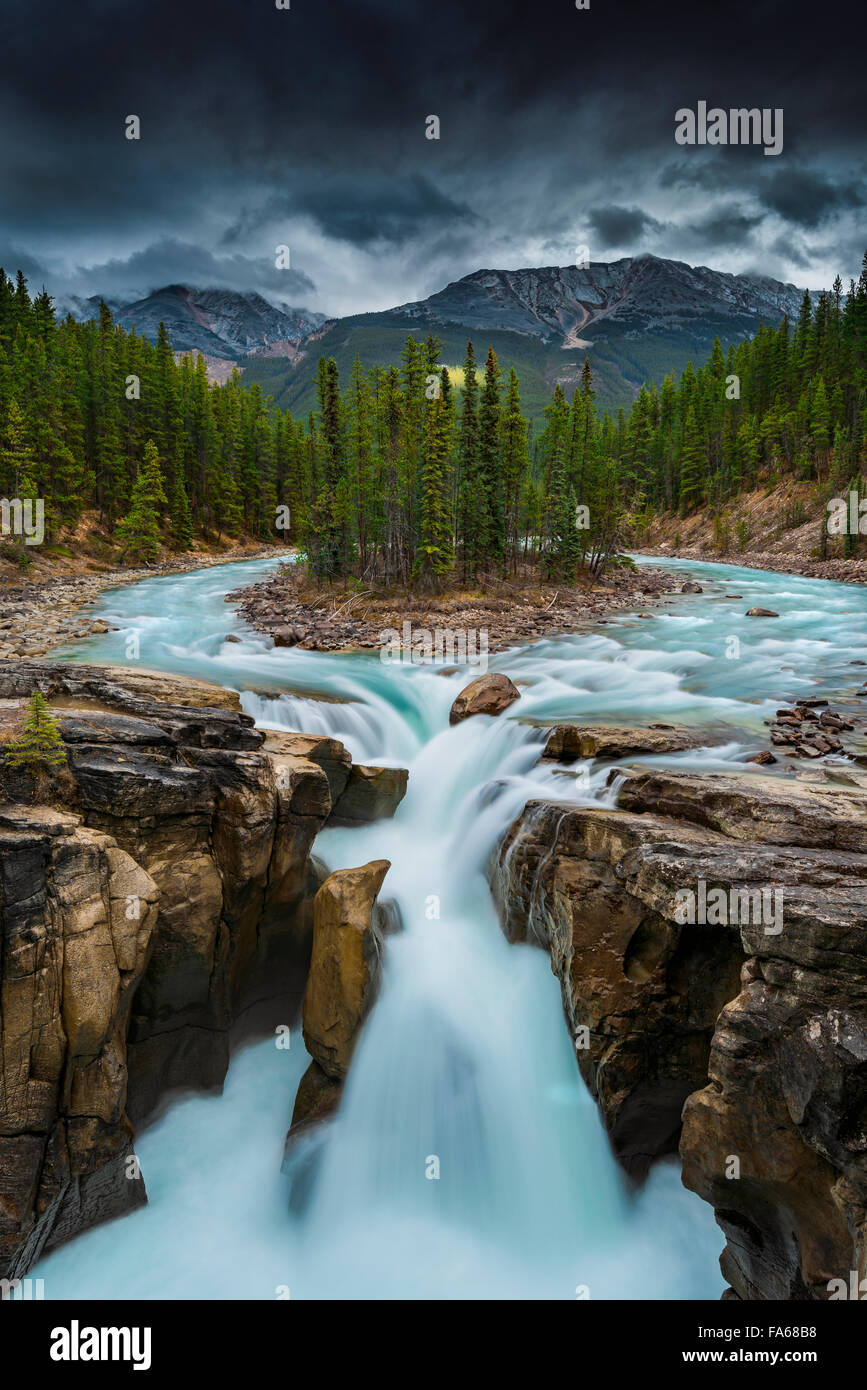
column 467, row 1158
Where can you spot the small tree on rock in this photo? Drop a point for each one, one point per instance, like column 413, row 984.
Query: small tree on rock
column 40, row 745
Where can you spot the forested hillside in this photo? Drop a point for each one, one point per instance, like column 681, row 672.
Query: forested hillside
column 399, row 477
column 790, row 400
column 84, row 405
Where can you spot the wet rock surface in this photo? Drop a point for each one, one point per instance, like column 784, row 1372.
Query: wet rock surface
column 810, row 729
column 349, row 928
column 569, row 742
column 489, row 694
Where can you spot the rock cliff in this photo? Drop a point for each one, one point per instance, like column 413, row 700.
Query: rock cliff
column 710, row 936
column 168, row 903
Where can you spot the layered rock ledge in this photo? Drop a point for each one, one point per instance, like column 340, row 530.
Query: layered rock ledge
column 166, row 904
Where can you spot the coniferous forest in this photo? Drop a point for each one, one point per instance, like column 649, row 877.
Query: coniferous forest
column 404, row 475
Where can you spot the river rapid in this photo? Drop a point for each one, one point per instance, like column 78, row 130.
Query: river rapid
column 466, row 1057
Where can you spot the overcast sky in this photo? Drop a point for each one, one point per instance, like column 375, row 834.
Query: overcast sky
column 306, row 127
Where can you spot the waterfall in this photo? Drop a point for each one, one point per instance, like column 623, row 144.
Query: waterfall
column 466, row 1058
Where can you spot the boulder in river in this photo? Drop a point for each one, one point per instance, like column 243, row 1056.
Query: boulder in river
column 344, row 967
column 488, row 694
column 372, row 793
column 568, row 742
column 690, row 587
column 761, row 613
column 289, row 635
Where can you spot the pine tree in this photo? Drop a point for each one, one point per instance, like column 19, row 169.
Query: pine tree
column 40, row 745
column 434, row 554
column 139, row 533
column 490, row 522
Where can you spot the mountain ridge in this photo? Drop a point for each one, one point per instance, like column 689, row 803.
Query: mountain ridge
column 637, row 318
column 223, row 324
column 566, row 299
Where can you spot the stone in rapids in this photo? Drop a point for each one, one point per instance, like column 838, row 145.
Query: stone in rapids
column 485, row 695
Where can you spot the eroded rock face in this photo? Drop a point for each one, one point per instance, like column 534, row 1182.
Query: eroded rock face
column 372, row 793
column 787, row 1093
column 758, row 1022
column 207, row 825
column 77, row 918
column 755, row 808
column 597, row 889
column 348, row 933
column 344, row 967
column 224, row 828
column 489, row 694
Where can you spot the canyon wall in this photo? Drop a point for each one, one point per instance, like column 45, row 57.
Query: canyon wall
column 742, row 1042
column 165, row 905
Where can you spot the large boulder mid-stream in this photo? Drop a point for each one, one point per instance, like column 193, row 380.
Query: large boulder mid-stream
column 569, row 742
column 710, row 936
column 162, row 908
column 489, row 694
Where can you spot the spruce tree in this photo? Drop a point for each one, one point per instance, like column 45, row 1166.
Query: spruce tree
column 468, row 470
column 139, row 533
column 690, row 466
column 39, row 745
column 490, row 521
column 434, row 553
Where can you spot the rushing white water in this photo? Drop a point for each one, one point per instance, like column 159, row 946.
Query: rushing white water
column 465, row 1058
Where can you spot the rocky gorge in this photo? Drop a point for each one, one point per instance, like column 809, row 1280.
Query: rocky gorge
column 740, row 1040
column 168, row 904
column 704, row 921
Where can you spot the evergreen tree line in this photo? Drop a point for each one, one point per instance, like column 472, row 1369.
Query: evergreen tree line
column 790, row 400
column 404, row 476
column 412, row 478
column 93, row 418
column 408, row 479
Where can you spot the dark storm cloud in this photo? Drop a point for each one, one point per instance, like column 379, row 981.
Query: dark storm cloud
column 726, row 224
column 167, row 261
column 617, row 226
column 807, row 198
column 361, row 210
column 307, row 126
